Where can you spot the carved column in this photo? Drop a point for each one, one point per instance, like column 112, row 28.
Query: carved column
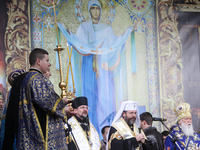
column 170, row 63
column 17, row 36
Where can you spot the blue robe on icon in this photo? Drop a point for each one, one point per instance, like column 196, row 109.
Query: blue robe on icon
column 183, row 142
column 102, row 64
column 101, row 57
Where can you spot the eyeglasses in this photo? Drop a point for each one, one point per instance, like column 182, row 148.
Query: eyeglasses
column 84, row 107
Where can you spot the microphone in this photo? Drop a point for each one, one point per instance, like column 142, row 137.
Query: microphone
column 159, row 119
column 139, row 130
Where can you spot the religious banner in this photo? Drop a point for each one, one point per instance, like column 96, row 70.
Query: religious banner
column 109, row 61
column 146, row 51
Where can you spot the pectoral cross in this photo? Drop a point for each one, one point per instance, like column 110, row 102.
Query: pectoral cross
column 96, row 51
column 73, row 126
column 179, row 136
column 124, row 130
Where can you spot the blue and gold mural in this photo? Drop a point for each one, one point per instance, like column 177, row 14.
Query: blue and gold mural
column 146, row 51
column 114, row 54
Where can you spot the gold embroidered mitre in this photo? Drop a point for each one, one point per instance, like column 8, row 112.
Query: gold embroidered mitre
column 182, row 110
column 1, row 95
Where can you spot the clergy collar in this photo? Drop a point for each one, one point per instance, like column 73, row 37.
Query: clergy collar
column 32, row 68
column 131, row 127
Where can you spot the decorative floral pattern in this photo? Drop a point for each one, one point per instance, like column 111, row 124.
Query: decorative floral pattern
column 48, row 21
column 78, row 12
column 16, row 38
column 36, row 19
column 47, row 3
column 111, row 16
column 37, row 38
column 138, row 6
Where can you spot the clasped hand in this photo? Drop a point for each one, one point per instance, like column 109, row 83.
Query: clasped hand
column 140, row 137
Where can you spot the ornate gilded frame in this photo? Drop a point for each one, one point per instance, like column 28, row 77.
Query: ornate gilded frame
column 169, row 58
column 17, row 38
column 170, row 53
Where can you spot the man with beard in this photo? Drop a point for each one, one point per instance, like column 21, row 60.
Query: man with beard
column 81, row 134
column 124, row 133
column 182, row 136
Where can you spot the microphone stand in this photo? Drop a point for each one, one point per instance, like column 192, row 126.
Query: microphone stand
column 140, row 144
column 174, row 138
column 70, row 132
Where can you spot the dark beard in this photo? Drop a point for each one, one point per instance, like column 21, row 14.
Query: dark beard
column 129, row 121
column 84, row 116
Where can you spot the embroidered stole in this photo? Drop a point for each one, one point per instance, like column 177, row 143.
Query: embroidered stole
column 185, row 141
column 122, row 127
column 81, row 137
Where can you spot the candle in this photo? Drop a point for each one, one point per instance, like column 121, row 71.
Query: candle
column 56, row 23
column 69, row 65
column 71, row 68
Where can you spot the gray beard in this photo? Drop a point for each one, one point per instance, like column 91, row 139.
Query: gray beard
column 187, row 129
column 130, row 122
column 84, row 116
column 1, row 113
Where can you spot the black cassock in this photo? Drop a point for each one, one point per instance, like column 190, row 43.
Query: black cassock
column 118, row 143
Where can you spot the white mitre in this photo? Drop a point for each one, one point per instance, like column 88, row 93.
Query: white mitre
column 126, row 106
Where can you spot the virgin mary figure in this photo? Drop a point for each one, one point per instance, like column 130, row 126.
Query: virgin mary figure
column 103, row 68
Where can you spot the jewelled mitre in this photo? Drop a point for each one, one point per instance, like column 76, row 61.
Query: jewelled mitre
column 182, row 110
column 1, row 95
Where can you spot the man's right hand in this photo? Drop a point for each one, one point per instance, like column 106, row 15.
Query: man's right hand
column 139, row 137
column 65, row 100
column 69, row 111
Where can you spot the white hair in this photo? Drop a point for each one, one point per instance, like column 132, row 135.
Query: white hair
column 187, row 128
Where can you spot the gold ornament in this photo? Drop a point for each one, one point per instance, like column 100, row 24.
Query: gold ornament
column 182, row 110
column 64, row 85
column 1, row 95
